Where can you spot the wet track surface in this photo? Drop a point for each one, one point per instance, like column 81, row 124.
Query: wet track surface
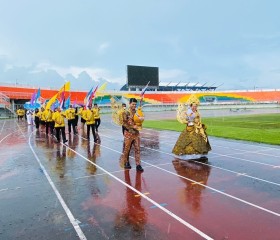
column 81, row 191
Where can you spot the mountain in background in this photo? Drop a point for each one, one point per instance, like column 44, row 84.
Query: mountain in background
column 26, row 76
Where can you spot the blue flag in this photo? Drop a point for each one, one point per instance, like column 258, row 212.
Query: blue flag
column 38, row 95
column 67, row 103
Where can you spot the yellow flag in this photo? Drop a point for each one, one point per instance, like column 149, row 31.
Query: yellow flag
column 65, row 87
column 101, row 90
column 51, row 101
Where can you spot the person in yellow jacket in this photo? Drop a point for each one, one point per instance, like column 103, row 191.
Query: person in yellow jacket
column 83, row 114
column 42, row 118
column 70, row 115
column 90, row 121
column 47, row 115
column 58, row 118
column 20, row 113
column 97, row 116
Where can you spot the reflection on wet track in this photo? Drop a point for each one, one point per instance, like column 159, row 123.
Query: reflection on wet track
column 80, row 190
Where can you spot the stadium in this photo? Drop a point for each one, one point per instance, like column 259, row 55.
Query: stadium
column 81, row 189
column 13, row 97
column 157, row 94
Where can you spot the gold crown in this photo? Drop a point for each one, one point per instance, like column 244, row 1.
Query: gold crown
column 193, row 100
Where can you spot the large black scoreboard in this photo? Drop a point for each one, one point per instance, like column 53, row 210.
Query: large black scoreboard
column 139, row 76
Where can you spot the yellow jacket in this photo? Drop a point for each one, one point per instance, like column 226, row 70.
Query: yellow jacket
column 42, row 115
column 97, row 112
column 84, row 114
column 70, row 113
column 47, row 115
column 90, row 116
column 58, row 118
column 20, row 112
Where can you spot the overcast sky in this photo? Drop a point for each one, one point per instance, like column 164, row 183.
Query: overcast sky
column 232, row 43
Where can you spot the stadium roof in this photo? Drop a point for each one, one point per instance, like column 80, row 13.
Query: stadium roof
column 178, row 86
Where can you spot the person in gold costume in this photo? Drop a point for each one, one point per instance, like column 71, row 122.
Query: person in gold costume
column 131, row 135
column 193, row 141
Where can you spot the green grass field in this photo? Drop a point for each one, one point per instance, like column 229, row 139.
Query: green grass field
column 263, row 128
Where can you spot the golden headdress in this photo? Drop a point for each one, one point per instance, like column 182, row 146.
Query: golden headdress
column 193, row 100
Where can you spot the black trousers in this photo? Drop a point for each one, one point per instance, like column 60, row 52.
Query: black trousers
column 37, row 122
column 97, row 123
column 92, row 127
column 57, row 132
column 51, row 126
column 71, row 122
column 76, row 120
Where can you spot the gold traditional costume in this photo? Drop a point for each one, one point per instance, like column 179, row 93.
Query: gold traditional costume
column 193, row 139
column 128, row 119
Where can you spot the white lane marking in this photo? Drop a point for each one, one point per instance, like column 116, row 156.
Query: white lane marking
column 62, row 202
column 244, row 174
column 147, row 198
column 8, row 135
column 216, row 190
column 246, row 143
column 20, row 129
column 259, row 152
column 243, row 159
column 224, row 169
column 100, row 174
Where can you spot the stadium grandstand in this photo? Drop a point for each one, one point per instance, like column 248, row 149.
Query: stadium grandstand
column 176, row 86
column 13, row 97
